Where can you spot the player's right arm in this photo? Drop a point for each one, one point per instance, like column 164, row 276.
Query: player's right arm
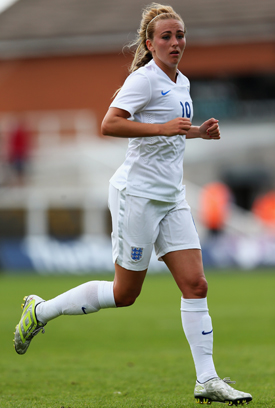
column 116, row 124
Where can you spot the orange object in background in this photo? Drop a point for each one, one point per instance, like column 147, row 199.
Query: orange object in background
column 214, row 205
column 264, row 208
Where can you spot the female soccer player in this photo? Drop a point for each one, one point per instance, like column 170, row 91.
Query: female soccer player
column 147, row 201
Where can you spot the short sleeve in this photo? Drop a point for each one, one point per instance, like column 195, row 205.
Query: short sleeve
column 134, row 95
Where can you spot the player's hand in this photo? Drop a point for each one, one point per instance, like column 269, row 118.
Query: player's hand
column 210, row 130
column 178, row 126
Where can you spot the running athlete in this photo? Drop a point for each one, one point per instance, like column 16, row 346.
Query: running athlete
column 147, row 202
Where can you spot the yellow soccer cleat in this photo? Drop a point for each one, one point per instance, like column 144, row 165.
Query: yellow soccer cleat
column 28, row 326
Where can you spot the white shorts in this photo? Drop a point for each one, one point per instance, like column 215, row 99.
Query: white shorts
column 140, row 223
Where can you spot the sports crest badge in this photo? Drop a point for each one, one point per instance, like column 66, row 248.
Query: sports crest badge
column 136, row 254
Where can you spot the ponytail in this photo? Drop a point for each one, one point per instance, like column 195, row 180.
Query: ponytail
column 150, row 15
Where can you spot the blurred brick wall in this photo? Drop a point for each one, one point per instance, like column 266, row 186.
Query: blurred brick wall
column 88, row 82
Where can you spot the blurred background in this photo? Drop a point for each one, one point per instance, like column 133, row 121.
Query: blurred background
column 61, row 62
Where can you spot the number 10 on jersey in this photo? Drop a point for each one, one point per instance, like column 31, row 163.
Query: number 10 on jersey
column 186, row 110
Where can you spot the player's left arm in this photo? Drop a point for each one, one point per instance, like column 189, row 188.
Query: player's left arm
column 209, row 130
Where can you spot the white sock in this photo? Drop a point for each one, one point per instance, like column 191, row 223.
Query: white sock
column 197, row 326
column 84, row 299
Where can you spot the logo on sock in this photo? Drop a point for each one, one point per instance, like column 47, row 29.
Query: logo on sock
column 84, row 310
column 204, row 333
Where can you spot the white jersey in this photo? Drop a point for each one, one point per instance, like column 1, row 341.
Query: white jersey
column 153, row 167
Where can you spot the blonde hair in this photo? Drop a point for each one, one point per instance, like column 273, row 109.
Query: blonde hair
column 150, row 15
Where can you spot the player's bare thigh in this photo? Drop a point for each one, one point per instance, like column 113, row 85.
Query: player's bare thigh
column 187, row 269
column 127, row 285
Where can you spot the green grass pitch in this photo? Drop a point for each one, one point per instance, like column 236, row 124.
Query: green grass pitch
column 137, row 357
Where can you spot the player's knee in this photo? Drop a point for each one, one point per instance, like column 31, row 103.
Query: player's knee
column 201, row 288
column 124, row 301
column 126, row 296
